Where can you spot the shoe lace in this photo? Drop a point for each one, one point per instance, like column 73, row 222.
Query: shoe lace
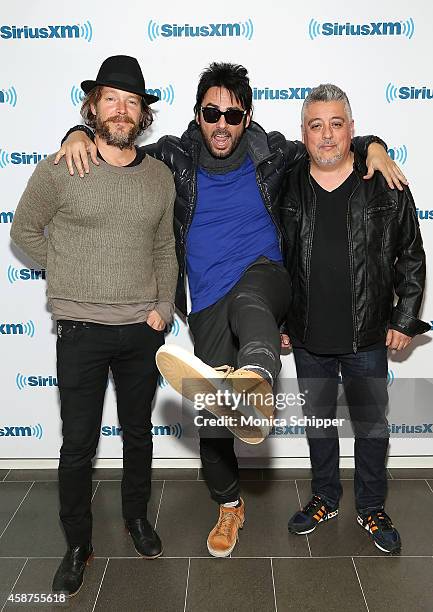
column 315, row 503
column 381, row 519
column 224, row 525
column 225, row 369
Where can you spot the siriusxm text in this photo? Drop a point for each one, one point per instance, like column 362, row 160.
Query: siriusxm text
column 380, row 28
column 51, row 31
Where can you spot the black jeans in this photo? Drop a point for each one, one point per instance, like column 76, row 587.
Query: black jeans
column 364, row 377
column 85, row 353
column 241, row 329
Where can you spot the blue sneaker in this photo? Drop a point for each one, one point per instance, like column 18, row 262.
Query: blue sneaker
column 315, row 512
column 379, row 526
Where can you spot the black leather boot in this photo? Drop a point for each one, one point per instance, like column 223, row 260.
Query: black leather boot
column 146, row 540
column 69, row 576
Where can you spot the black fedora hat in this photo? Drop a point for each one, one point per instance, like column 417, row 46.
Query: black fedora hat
column 121, row 72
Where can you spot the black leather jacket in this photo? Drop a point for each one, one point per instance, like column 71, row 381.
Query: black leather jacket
column 385, row 250
column 272, row 156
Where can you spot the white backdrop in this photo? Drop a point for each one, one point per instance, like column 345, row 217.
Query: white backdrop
column 380, row 53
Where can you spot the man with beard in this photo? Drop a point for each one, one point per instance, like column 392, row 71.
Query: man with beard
column 228, row 173
column 111, row 272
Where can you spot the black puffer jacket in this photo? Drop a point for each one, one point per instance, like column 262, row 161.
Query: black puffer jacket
column 385, row 250
column 272, row 156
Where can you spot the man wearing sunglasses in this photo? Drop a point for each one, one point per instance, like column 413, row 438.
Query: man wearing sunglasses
column 228, row 173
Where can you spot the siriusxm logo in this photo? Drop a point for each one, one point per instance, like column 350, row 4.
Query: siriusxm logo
column 398, row 154
column 24, row 274
column 238, row 29
column 407, row 92
column 162, row 383
column 287, row 430
column 164, row 93
column 22, row 431
column 22, row 381
column 18, row 329
column 174, row 327
column 292, row 93
column 12, row 32
column 77, row 95
column 417, row 428
column 6, row 216
column 8, row 96
column 20, row 158
column 389, row 379
column 157, row 430
column 372, row 28
column 424, row 215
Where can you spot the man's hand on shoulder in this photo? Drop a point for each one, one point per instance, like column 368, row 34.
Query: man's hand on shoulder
column 397, row 341
column 378, row 159
column 76, row 149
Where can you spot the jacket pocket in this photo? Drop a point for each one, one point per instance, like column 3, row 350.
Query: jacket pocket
column 289, row 216
column 381, row 207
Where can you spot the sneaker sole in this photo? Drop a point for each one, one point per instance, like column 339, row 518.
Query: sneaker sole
column 218, row 553
column 393, row 551
column 330, row 515
column 177, row 365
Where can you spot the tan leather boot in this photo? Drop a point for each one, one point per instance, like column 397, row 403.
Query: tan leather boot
column 223, row 537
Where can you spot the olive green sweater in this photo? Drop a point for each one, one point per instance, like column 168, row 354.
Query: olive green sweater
column 109, row 235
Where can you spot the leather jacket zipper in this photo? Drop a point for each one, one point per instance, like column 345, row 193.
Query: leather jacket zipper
column 309, row 252
column 268, row 206
column 193, row 204
column 352, row 274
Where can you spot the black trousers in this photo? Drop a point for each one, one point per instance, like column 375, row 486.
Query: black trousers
column 364, row 377
column 241, row 329
column 85, row 353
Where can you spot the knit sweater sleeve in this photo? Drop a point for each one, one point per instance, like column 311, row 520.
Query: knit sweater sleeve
column 164, row 253
column 36, row 208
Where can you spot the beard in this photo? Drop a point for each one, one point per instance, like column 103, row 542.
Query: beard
column 120, row 139
column 234, row 141
column 329, row 161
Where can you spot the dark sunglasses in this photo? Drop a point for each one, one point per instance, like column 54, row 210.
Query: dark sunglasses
column 233, row 116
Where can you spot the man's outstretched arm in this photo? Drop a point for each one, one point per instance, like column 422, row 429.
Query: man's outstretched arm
column 78, row 144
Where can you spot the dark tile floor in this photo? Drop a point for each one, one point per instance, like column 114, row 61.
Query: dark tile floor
column 336, row 568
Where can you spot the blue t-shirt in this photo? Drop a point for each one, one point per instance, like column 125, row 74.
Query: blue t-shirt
column 231, row 228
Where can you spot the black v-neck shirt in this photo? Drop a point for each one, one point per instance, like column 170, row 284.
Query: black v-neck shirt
column 330, row 321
